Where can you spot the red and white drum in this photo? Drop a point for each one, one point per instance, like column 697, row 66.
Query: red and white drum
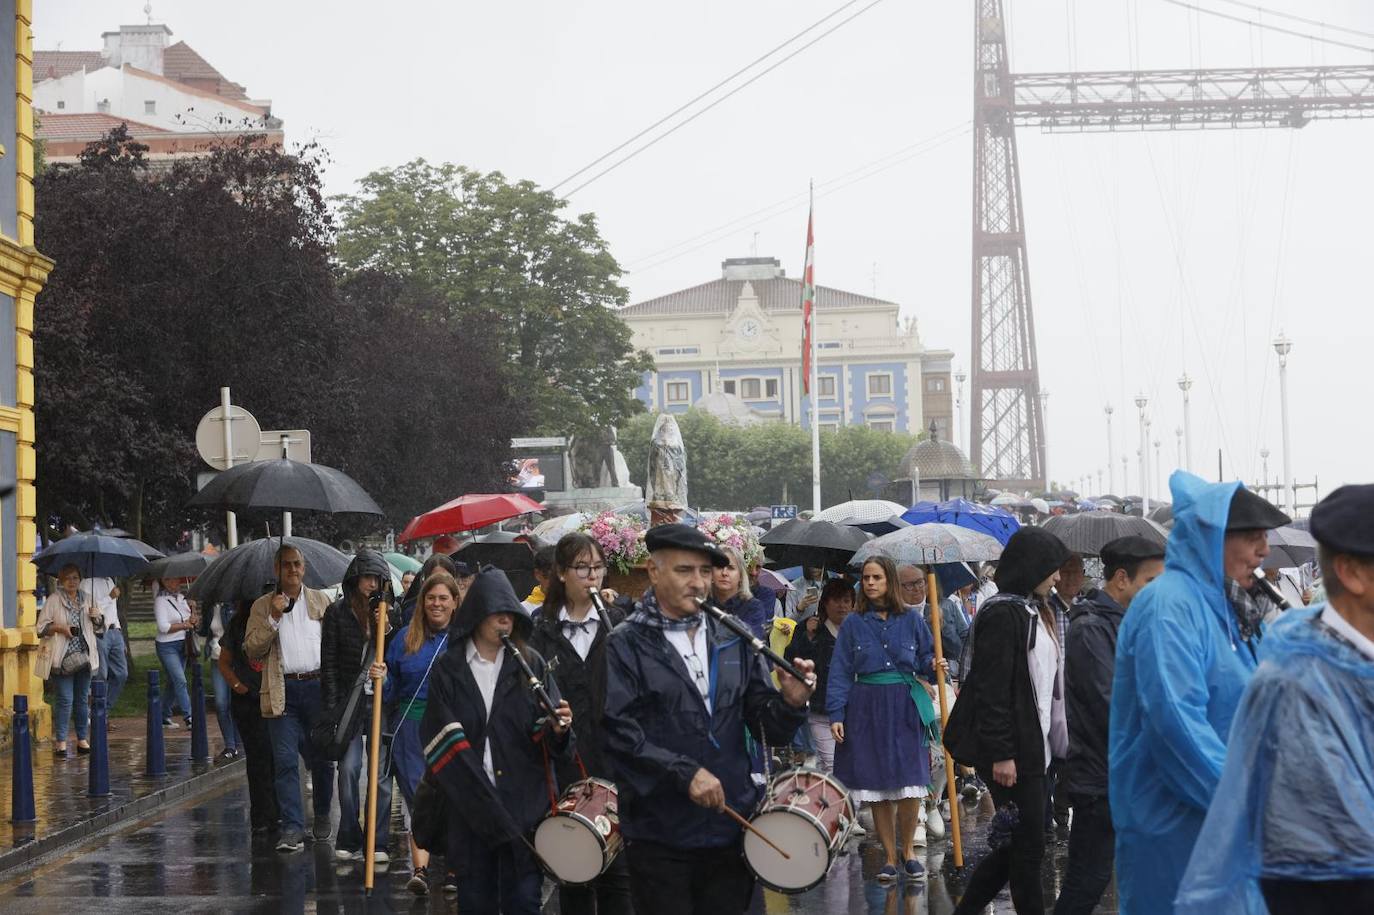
column 807, row 814
column 580, row 839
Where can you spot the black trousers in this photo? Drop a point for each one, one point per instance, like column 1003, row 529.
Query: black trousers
column 688, row 881
column 1092, row 846
column 257, row 749
column 608, row 894
column 1317, row 897
column 1019, row 860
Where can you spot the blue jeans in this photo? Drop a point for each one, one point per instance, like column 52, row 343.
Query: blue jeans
column 227, row 729
column 114, row 666
column 73, row 688
column 351, row 767
column 290, row 735
column 172, row 656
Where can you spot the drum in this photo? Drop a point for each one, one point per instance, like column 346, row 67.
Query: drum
column 580, row 839
column 807, row 814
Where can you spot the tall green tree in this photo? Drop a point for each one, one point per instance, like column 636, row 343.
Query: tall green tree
column 499, row 256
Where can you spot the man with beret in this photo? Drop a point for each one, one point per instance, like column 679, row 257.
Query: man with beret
column 1292, row 827
column 1184, row 654
column 680, row 692
column 1128, row 565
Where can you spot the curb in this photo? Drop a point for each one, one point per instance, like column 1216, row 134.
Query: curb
column 132, row 809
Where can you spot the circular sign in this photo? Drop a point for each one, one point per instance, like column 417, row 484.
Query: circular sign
column 244, row 429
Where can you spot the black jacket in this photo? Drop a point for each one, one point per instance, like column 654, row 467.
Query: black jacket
column 583, row 684
column 817, row 648
column 1089, row 665
column 658, row 732
column 342, row 637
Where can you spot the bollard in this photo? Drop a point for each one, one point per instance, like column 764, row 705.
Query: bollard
column 200, row 739
column 156, row 751
column 21, row 786
column 99, row 781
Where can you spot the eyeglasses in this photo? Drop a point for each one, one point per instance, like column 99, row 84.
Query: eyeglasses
column 913, row 585
column 582, row 570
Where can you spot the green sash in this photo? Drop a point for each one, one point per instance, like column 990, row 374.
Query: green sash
column 416, row 710
column 924, row 707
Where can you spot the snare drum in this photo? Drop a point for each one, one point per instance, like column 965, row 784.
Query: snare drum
column 580, row 839
column 807, row 814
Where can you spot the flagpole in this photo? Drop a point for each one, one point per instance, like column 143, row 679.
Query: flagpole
column 813, row 383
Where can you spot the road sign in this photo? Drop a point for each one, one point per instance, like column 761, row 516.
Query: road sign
column 784, row 512
column 297, row 445
column 245, row 431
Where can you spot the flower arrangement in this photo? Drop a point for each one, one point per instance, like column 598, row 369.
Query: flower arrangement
column 734, row 531
column 621, row 538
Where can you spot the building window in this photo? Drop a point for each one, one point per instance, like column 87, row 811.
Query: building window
column 880, row 384
column 770, row 389
column 881, row 425
column 825, row 386
column 830, row 422
column 832, row 344
column 103, row 106
column 728, row 386
column 678, row 350
column 751, row 388
column 150, row 107
column 61, row 104
column 677, row 392
column 935, row 385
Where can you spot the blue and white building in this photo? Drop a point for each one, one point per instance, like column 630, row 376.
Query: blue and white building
column 741, row 335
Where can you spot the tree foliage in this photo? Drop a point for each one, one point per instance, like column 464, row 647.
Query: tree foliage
column 497, row 255
column 219, row 271
column 734, row 468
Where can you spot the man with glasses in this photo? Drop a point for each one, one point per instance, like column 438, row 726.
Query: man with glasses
column 680, row 692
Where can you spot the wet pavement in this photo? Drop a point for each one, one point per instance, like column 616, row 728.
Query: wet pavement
column 198, row 856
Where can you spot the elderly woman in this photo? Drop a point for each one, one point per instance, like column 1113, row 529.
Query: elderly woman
column 67, row 625
column 731, row 591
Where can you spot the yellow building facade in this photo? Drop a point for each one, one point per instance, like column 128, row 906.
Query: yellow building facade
column 22, row 274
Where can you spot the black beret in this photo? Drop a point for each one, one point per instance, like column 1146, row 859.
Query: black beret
column 1122, row 550
column 1344, row 521
column 684, row 537
column 1250, row 512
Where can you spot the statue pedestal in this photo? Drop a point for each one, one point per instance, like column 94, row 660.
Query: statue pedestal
column 592, row 501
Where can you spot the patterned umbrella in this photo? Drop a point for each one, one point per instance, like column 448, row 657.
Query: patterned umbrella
column 860, row 511
column 1087, row 532
column 985, row 519
column 924, row 544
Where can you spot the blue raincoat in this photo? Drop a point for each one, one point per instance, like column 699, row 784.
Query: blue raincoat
column 1181, row 667
column 1296, row 799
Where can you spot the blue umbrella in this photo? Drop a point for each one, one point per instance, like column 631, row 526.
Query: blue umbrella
column 985, row 519
column 96, row 555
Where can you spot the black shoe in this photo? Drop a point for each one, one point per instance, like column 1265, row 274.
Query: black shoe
column 227, row 754
column 450, row 882
column 83, row 751
column 419, row 882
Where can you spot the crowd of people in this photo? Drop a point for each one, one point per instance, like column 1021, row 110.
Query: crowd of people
column 1212, row 753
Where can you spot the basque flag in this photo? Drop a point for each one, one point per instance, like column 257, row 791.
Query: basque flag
column 808, row 300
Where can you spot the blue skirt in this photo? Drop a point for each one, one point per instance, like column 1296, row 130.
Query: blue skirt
column 885, row 747
column 408, row 759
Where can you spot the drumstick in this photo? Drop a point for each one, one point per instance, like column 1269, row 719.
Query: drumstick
column 732, row 814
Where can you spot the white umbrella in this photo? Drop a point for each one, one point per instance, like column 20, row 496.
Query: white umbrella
column 923, row 544
column 1004, row 499
column 552, row 530
column 860, row 511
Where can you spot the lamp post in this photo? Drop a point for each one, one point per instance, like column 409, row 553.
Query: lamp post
column 1100, row 490
column 1185, row 384
column 1125, row 462
column 959, row 377
column 1283, row 346
column 1264, row 463
column 1178, row 436
column 1111, row 470
column 1045, row 423
column 1158, row 468
column 1140, row 401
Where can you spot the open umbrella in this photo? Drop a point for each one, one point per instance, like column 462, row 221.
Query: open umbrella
column 147, row 552
column 812, row 543
column 178, row 565
column 1297, row 545
column 514, row 557
column 860, row 511
column 641, row 511
column 552, row 530
column 402, row 563
column 248, row 570
column 1087, row 532
column 285, row 485
column 467, row 513
column 96, row 555
column 1005, row 500
column 925, row 544
column 986, row 519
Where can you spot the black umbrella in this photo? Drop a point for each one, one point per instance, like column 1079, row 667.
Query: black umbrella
column 1297, row 545
column 249, row 570
column 148, row 552
column 501, row 550
column 178, row 565
column 1086, row 532
column 813, row 543
column 285, row 485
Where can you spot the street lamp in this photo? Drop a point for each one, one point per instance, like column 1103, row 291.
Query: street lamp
column 1045, row 425
column 1125, row 462
column 1178, row 436
column 1140, row 401
column 1111, row 471
column 1283, row 346
column 1158, row 468
column 1185, row 384
column 1264, row 462
column 959, row 377
column 1100, row 490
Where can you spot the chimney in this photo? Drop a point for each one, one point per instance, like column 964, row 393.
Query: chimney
column 138, row 45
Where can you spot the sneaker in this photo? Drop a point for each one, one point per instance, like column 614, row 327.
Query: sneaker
column 887, row 874
column 169, row 724
column 858, row 829
column 919, row 840
column 450, row 882
column 419, row 882
column 227, row 754
column 188, row 722
column 321, row 830
column 380, row 858
column 935, row 823
column 913, row 869
column 344, row 854
column 291, row 842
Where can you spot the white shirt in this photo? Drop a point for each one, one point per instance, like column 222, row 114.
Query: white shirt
column 168, row 608
column 486, row 673
column 581, row 639
column 298, row 637
column 691, row 645
column 98, row 590
column 1354, row 636
column 1044, row 667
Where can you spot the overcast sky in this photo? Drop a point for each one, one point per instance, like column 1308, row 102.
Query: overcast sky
column 1149, row 253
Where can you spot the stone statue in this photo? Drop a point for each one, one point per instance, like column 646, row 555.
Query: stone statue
column 665, row 491
column 597, row 463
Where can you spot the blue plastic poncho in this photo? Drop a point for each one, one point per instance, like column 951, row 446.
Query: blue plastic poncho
column 1296, row 799
column 1181, row 667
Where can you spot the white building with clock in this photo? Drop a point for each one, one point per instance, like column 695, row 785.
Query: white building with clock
column 741, row 335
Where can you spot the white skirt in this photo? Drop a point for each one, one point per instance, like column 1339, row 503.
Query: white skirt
column 861, row 796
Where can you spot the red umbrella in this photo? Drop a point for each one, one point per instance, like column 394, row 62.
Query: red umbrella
column 468, row 513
